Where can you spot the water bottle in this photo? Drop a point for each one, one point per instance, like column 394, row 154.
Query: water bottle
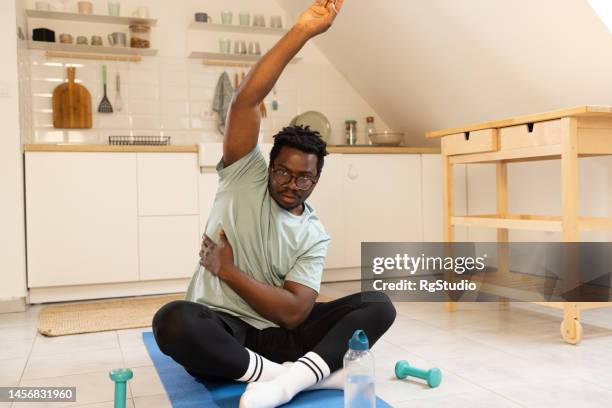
column 359, row 373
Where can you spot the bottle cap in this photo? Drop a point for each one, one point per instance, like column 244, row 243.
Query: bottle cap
column 370, row 119
column 359, row 341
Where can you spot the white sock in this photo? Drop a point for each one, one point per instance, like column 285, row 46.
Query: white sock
column 335, row 381
column 260, row 369
column 306, row 372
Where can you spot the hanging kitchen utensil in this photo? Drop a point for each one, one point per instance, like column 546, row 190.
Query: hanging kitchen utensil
column 105, row 105
column 71, row 105
column 118, row 101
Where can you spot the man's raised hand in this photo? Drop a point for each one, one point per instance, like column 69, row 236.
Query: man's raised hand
column 319, row 17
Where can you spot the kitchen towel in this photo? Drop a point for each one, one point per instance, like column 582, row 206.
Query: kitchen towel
column 222, row 99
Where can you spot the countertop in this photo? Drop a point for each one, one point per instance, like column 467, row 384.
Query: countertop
column 109, row 148
column 368, row 149
column 365, row 149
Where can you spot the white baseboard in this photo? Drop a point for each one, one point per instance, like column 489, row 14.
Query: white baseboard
column 13, row 305
column 112, row 290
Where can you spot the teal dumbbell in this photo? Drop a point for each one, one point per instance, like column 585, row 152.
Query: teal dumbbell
column 120, row 376
column 432, row 376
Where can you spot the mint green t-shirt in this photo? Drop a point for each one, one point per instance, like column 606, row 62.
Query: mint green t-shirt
column 270, row 244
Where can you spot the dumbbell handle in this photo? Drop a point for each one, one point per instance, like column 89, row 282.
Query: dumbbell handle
column 120, row 376
column 417, row 372
column 120, row 394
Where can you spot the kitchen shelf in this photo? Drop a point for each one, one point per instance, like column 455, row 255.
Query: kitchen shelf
column 216, row 58
column 230, row 28
column 89, row 18
column 103, row 52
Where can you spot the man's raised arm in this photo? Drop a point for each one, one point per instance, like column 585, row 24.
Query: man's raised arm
column 242, row 128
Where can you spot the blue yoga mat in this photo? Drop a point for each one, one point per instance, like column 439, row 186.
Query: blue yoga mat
column 184, row 391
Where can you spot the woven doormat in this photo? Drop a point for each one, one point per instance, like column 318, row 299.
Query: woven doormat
column 105, row 315
column 101, row 315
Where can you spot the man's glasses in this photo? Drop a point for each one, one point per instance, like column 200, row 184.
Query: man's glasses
column 283, row 177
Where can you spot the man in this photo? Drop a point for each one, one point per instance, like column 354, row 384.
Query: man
column 251, row 305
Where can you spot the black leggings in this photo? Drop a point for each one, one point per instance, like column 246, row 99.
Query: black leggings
column 211, row 345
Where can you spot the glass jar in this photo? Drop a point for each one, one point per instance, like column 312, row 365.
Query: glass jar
column 140, row 36
column 351, row 132
column 370, row 129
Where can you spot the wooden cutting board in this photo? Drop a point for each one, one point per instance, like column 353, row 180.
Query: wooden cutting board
column 71, row 105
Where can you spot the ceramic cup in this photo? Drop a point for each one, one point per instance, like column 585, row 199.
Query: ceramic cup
column 82, row 40
column 85, row 7
column 245, row 19
column 240, row 47
column 202, row 18
column 254, row 48
column 141, row 12
column 276, row 21
column 65, row 38
column 96, row 40
column 225, row 45
column 43, row 34
column 114, row 8
column 117, row 39
column 227, row 17
column 43, row 5
column 259, row 20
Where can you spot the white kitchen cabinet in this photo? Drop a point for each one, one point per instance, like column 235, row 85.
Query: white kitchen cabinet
column 208, row 184
column 81, row 218
column 327, row 200
column 381, row 201
column 167, row 184
column 168, row 247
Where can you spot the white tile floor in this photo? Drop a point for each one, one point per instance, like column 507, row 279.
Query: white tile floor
column 489, row 358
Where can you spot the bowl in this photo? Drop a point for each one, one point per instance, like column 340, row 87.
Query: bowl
column 387, row 138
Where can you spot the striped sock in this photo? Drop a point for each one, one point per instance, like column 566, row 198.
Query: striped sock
column 316, row 365
column 260, row 369
column 307, row 371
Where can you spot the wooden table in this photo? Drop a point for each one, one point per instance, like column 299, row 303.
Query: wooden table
column 567, row 135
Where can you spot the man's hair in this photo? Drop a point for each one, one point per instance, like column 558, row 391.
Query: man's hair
column 301, row 138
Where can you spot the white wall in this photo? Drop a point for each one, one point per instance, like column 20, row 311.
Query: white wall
column 171, row 94
column 427, row 65
column 12, row 250
column 535, row 188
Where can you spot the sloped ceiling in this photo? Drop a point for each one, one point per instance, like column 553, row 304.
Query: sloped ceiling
column 432, row 64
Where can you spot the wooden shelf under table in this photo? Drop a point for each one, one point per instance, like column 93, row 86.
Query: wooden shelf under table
column 549, row 223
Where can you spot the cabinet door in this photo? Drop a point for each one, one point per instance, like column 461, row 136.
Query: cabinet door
column 81, row 218
column 382, row 201
column 167, row 184
column 169, row 247
column 208, row 184
column 327, row 200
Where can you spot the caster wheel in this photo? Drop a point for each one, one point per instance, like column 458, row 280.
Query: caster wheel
column 571, row 331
